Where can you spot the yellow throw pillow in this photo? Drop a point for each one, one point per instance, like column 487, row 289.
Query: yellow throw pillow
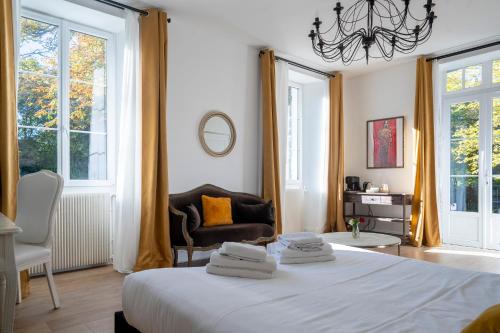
column 487, row 322
column 216, row 211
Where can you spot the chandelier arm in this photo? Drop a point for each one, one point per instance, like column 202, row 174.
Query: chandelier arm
column 348, row 39
column 382, row 49
column 356, row 20
column 402, row 22
column 400, row 35
column 390, row 17
column 381, row 4
column 347, row 61
column 416, row 19
column 350, row 11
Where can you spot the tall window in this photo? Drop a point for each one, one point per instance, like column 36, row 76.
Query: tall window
column 294, row 139
column 63, row 99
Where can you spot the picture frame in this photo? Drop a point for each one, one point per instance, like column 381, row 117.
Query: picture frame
column 385, row 143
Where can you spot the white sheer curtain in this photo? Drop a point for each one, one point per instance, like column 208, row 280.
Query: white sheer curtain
column 128, row 180
column 282, row 110
column 314, row 155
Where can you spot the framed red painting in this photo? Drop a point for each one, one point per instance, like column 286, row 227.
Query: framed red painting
column 385, row 143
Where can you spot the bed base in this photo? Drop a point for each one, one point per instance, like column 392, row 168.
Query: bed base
column 121, row 324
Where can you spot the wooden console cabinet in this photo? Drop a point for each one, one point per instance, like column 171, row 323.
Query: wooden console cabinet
column 386, row 199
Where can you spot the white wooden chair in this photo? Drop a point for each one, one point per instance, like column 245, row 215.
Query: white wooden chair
column 38, row 195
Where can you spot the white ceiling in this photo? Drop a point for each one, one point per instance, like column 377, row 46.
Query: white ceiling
column 284, row 24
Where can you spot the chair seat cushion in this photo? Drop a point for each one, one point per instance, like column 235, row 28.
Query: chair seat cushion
column 206, row 236
column 27, row 254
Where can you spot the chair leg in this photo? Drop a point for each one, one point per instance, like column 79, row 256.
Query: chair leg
column 175, row 257
column 19, row 290
column 52, row 285
column 8, row 308
column 190, row 255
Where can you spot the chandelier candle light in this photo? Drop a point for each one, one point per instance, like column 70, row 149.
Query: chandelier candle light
column 386, row 27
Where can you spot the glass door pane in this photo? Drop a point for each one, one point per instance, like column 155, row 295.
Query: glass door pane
column 464, row 156
column 495, row 156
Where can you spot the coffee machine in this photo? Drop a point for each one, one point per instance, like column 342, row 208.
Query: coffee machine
column 352, row 183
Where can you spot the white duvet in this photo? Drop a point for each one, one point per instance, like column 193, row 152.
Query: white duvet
column 361, row 291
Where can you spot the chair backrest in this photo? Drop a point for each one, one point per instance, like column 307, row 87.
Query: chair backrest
column 38, row 195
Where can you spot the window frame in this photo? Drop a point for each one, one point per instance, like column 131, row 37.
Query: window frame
column 64, row 27
column 487, row 85
column 296, row 184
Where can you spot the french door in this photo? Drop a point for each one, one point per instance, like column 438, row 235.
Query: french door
column 471, row 160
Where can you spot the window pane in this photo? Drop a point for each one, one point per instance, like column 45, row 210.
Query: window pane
column 88, row 156
column 496, row 71
column 454, row 80
column 495, row 157
column 496, row 116
column 464, row 194
column 464, row 120
column 464, row 157
column 38, row 96
column 37, row 150
column 37, row 100
column 87, row 58
column 38, row 49
column 292, row 167
column 464, row 140
column 473, row 76
column 495, row 202
column 87, row 107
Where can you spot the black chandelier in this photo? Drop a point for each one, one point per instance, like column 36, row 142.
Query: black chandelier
column 386, row 27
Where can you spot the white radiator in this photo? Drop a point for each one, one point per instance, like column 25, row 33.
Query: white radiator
column 82, row 232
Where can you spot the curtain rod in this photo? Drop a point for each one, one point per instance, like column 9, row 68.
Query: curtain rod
column 296, row 64
column 472, row 49
column 120, row 5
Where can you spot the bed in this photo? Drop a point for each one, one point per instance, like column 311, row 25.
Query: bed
column 362, row 291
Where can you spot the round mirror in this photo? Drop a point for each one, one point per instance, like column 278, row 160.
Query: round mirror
column 217, row 134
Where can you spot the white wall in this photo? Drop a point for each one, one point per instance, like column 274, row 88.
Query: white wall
column 211, row 67
column 386, row 93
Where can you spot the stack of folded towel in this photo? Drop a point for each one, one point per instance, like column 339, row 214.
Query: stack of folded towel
column 303, row 247
column 242, row 260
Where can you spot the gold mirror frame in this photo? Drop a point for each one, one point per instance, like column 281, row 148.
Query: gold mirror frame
column 201, row 129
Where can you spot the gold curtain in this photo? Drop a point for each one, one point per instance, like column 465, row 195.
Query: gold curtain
column 424, row 217
column 335, row 196
column 154, row 242
column 9, row 153
column 270, row 143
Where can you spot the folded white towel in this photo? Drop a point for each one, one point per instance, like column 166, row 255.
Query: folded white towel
column 222, row 260
column 284, row 260
column 244, row 251
column 238, row 272
column 325, row 249
column 300, row 238
column 309, row 247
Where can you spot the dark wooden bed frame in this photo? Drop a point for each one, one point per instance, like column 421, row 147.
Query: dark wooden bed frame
column 121, row 324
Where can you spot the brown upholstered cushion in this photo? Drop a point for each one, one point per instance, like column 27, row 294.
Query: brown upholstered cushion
column 255, row 213
column 193, row 217
column 216, row 211
column 206, row 236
